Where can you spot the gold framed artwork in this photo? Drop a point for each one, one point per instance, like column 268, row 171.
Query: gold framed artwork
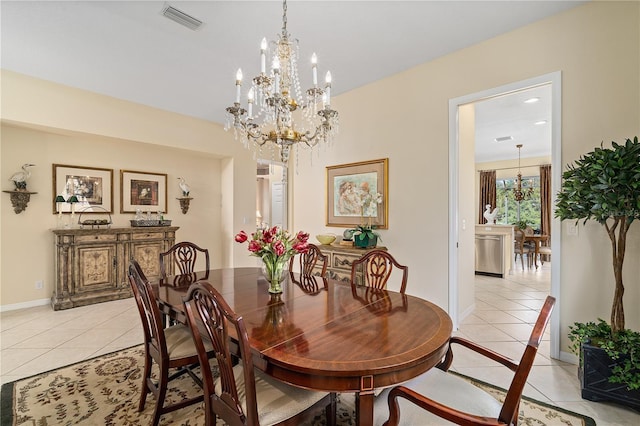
column 92, row 186
column 144, row 191
column 352, row 190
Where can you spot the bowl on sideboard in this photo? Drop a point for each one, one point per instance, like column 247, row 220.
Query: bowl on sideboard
column 326, row 239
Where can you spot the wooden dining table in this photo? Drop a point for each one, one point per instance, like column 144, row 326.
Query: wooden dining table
column 325, row 334
column 537, row 239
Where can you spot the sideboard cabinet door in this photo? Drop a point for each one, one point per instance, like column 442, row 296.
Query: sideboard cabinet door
column 91, row 264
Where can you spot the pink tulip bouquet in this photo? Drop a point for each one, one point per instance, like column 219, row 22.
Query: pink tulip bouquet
column 275, row 246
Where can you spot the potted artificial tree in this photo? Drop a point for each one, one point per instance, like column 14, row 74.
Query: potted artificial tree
column 604, row 185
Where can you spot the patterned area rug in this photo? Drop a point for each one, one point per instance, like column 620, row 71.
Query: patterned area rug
column 105, row 391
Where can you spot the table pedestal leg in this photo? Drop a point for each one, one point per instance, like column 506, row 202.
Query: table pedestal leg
column 364, row 408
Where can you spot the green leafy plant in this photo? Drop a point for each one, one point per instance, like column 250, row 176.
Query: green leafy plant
column 365, row 231
column 622, row 347
column 604, row 185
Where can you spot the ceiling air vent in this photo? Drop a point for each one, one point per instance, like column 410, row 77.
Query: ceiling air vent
column 504, row 139
column 181, row 18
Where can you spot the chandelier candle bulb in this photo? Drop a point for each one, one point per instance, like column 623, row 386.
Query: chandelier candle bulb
column 314, row 68
column 250, row 96
column 263, row 57
column 327, row 79
column 276, row 75
column 238, row 85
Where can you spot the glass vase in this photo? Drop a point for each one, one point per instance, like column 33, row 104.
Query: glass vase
column 273, row 271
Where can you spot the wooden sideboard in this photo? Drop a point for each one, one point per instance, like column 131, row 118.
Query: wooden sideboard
column 339, row 260
column 91, row 264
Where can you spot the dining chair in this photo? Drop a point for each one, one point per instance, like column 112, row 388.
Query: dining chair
column 437, row 395
column 544, row 252
column 377, row 266
column 242, row 395
column 307, row 261
column 184, row 255
column 520, row 248
column 170, row 348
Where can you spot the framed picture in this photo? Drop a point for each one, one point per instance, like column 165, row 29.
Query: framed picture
column 352, row 190
column 92, row 186
column 144, row 191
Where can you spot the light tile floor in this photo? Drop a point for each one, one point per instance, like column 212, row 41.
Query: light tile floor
column 38, row 339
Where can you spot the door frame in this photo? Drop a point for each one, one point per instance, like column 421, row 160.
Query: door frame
column 555, row 79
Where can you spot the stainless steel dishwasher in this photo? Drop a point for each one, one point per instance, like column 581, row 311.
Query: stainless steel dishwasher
column 489, row 255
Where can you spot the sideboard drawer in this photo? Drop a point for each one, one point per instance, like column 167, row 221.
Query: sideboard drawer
column 96, row 238
column 147, row 236
column 343, row 261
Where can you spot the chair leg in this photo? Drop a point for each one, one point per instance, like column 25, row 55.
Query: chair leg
column 144, row 389
column 331, row 411
column 163, row 382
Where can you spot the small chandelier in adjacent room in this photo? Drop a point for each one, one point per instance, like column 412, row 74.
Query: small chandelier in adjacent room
column 519, row 192
column 274, row 98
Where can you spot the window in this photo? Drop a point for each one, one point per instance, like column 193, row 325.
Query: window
column 508, row 206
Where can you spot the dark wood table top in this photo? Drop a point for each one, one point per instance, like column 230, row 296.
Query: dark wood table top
column 330, row 336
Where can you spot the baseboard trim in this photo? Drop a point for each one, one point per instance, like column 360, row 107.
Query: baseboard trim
column 569, row 357
column 467, row 312
column 24, row 305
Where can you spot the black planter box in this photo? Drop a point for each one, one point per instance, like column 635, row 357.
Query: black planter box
column 594, row 373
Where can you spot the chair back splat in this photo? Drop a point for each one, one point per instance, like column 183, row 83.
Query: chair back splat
column 307, row 261
column 377, row 267
column 184, row 256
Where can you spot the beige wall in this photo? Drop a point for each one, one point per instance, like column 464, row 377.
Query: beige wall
column 45, row 123
column 405, row 118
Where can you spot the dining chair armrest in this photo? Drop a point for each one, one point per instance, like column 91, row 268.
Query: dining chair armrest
column 443, row 411
column 495, row 356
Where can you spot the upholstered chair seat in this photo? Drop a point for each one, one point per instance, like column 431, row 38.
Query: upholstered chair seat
column 447, row 389
column 277, row 401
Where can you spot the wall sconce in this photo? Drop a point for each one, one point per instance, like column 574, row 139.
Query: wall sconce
column 19, row 199
column 184, row 203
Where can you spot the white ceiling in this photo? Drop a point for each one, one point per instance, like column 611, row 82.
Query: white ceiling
column 128, row 50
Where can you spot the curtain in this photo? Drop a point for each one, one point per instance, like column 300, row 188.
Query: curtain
column 487, row 192
column 545, row 201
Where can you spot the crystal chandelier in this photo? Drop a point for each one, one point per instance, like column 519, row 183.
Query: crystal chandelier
column 275, row 98
column 519, row 192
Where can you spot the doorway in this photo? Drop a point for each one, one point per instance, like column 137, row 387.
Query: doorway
column 271, row 194
column 463, row 211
